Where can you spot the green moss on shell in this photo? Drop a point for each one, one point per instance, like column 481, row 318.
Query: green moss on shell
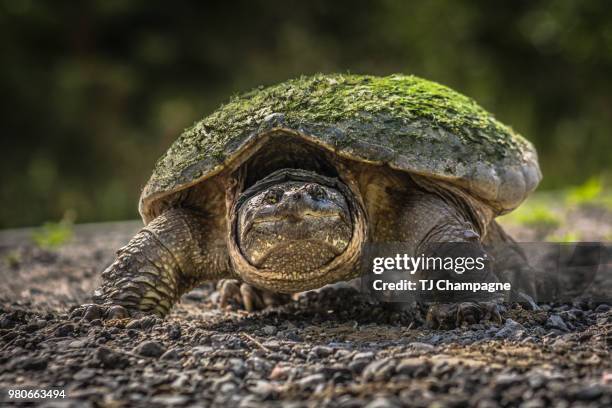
column 361, row 105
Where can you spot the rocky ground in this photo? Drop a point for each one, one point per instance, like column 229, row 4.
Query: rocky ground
column 329, row 348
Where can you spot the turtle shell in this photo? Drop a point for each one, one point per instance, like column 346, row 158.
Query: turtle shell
column 405, row 122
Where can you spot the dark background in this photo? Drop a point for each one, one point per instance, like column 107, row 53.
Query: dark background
column 93, row 92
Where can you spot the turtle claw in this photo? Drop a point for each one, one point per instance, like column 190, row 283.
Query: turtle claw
column 451, row 315
column 234, row 293
column 93, row 311
column 475, row 312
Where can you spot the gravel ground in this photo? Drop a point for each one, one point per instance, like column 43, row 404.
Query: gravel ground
column 328, row 348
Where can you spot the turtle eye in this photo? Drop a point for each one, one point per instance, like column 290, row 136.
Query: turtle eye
column 273, row 196
column 316, row 191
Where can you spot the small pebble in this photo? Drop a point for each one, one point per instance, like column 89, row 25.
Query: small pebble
column 150, row 349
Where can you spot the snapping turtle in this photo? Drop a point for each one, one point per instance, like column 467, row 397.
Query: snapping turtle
column 278, row 190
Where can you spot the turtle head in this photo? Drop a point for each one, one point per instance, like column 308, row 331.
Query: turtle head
column 293, row 223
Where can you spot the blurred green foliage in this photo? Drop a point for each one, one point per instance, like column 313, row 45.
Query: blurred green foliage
column 538, row 216
column 93, row 92
column 586, row 193
column 54, row 234
column 567, row 237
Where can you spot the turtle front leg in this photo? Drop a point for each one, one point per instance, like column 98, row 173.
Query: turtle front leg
column 430, row 222
column 168, row 257
column 512, row 265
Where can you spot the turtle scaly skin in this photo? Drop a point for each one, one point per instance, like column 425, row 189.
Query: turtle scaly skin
column 167, row 258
